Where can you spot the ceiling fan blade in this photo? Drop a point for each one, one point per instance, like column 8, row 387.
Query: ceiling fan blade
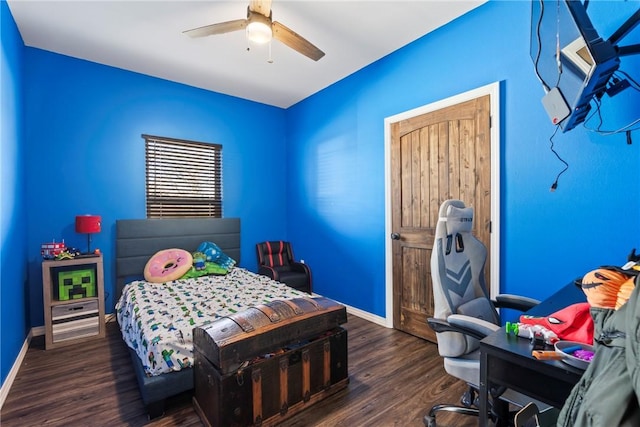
column 262, row 7
column 296, row 41
column 219, row 28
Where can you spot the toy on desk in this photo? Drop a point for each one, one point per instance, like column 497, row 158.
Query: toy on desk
column 576, row 351
column 546, row 355
column 635, row 258
column 536, row 333
column 579, row 352
column 609, row 286
column 572, row 323
column 585, row 355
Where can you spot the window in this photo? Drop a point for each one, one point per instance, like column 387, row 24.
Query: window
column 184, row 178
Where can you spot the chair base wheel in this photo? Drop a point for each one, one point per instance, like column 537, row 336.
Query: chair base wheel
column 429, row 421
column 469, row 398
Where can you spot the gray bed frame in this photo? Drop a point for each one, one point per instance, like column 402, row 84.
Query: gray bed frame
column 136, row 241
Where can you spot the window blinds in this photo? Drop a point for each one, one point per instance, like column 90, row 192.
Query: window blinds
column 183, row 178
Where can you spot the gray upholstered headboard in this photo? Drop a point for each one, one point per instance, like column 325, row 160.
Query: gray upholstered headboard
column 138, row 239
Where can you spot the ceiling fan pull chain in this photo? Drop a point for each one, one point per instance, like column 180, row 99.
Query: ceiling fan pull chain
column 270, row 60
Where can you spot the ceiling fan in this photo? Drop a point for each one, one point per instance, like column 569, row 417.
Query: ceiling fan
column 260, row 28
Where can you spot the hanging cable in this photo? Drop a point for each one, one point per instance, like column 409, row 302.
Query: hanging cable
column 597, row 111
column 539, row 40
column 554, row 186
column 598, row 129
column 626, row 128
column 558, row 61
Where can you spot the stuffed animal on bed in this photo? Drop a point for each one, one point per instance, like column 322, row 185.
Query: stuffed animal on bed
column 209, row 260
column 199, row 260
column 214, row 254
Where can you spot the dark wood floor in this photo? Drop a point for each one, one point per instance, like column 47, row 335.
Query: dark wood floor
column 394, row 379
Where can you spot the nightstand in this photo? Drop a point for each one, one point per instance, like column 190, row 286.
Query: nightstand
column 73, row 291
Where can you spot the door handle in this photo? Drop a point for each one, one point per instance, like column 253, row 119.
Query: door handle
column 395, row 236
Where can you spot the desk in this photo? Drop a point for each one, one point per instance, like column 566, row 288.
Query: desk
column 506, row 360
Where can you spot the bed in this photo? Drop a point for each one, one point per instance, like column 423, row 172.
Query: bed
column 164, row 369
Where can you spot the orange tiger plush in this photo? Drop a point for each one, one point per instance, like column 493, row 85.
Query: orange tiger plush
column 606, row 288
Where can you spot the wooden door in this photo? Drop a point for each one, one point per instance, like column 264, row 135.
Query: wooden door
column 440, row 155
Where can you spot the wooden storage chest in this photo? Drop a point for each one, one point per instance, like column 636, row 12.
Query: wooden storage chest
column 268, row 363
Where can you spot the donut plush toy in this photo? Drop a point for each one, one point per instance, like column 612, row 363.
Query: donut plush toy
column 167, row 265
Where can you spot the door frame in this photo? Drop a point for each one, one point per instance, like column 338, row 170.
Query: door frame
column 493, row 90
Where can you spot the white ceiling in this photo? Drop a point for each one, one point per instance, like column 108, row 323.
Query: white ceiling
column 145, row 36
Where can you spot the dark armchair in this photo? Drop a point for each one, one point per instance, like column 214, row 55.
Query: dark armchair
column 276, row 260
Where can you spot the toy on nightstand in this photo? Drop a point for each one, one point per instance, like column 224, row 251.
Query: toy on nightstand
column 52, row 249
column 68, row 253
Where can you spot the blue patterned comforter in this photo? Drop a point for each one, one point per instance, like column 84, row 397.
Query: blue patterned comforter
column 157, row 319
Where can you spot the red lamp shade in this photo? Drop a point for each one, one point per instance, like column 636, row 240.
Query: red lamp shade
column 88, row 223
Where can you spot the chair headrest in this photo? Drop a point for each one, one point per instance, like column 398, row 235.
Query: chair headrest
column 459, row 220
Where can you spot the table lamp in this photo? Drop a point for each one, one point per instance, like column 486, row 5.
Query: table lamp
column 88, row 224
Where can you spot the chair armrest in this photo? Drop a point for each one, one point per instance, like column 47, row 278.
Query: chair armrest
column 478, row 325
column 515, row 302
column 268, row 271
column 466, row 325
column 301, row 267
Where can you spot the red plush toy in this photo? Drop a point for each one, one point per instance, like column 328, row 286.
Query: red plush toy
column 572, row 323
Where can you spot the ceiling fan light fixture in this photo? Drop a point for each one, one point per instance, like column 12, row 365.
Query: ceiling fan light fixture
column 260, row 29
column 259, row 32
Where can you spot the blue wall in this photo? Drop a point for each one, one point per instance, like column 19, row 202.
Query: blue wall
column 81, row 152
column 336, row 201
column 86, row 154
column 14, row 324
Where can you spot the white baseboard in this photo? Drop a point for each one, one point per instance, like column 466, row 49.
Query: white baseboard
column 363, row 314
column 367, row 316
column 8, row 382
